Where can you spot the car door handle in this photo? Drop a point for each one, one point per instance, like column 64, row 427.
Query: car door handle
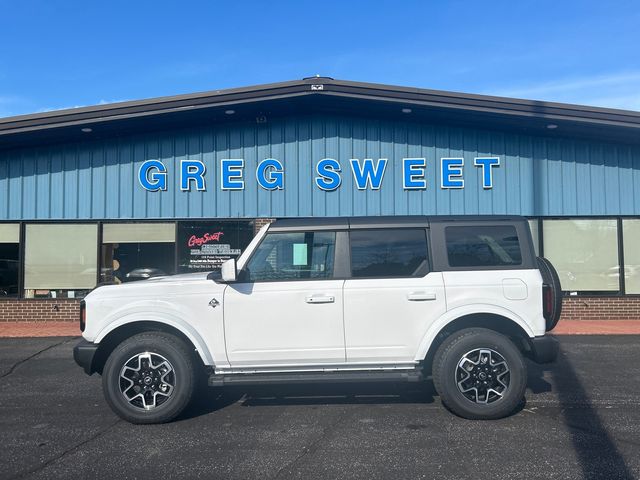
column 320, row 299
column 421, row 296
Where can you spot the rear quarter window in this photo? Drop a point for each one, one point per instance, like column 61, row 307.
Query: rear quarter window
column 483, row 246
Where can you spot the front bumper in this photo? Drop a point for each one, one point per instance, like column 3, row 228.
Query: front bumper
column 84, row 353
column 544, row 349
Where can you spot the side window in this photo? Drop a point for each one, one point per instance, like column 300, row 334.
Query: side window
column 292, row 256
column 483, row 246
column 388, row 253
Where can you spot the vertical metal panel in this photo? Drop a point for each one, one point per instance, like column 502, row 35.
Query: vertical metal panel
column 625, row 178
column 15, row 185
column 611, row 181
column 83, row 187
column 392, row 173
column 29, row 191
column 4, row 185
column 537, row 176
column 583, row 179
column 596, row 157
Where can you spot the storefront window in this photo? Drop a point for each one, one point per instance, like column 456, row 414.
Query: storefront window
column 60, row 260
column 584, row 252
column 204, row 246
column 631, row 239
column 9, row 259
column 137, row 251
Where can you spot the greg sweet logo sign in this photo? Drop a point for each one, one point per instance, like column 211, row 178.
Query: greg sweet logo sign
column 328, row 174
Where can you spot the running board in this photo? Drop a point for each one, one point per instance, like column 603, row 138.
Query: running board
column 219, row 380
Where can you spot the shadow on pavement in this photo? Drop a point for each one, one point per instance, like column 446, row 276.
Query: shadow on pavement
column 337, row 394
column 596, row 451
column 212, row 399
column 208, row 400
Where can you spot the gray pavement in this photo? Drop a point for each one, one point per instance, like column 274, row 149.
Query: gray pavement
column 581, row 420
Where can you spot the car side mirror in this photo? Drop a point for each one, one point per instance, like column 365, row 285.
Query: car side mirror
column 229, row 271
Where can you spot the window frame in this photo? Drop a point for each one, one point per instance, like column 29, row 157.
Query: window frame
column 338, row 251
column 508, row 266
column 21, row 237
column 390, row 277
column 439, row 240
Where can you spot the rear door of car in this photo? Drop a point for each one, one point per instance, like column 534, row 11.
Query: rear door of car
column 489, row 264
column 391, row 297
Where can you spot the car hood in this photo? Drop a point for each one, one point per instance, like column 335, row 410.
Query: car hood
column 159, row 287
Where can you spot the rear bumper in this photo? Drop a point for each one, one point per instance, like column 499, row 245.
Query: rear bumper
column 83, row 354
column 544, row 349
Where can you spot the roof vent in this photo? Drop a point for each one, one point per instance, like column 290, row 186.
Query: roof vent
column 317, row 78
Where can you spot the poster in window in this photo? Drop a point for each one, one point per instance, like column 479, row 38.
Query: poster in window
column 205, row 246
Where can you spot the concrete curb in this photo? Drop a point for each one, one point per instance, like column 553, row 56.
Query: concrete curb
column 39, row 329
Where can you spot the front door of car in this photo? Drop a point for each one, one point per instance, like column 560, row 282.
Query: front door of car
column 391, row 298
column 286, row 308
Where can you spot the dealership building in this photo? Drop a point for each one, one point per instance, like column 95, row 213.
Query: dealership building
column 126, row 191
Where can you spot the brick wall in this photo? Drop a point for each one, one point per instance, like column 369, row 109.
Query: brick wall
column 40, row 310
column 261, row 222
column 601, row 308
column 573, row 308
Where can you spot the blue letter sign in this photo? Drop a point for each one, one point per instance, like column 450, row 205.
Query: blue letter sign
column 153, row 175
column 231, row 174
column 368, row 175
column 451, row 173
column 413, row 173
column 487, row 164
column 270, row 174
column 328, row 177
column 192, row 170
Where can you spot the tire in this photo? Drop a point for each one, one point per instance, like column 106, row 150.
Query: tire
column 471, row 343
column 160, row 357
column 550, row 277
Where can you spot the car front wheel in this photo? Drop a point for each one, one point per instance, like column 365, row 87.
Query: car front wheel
column 149, row 378
column 479, row 374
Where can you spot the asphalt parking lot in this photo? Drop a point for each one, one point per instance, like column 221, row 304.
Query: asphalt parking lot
column 581, row 420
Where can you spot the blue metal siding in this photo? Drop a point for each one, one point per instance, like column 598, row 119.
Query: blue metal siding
column 537, row 175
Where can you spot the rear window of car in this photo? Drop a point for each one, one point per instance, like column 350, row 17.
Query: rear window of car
column 388, row 253
column 483, row 246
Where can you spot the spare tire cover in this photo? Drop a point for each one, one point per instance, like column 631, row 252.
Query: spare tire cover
column 550, row 278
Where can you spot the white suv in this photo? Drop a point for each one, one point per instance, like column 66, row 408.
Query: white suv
column 460, row 299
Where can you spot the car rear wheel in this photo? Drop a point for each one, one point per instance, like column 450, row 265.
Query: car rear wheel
column 479, row 374
column 149, row 378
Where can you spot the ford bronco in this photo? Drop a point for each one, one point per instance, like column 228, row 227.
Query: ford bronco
column 459, row 299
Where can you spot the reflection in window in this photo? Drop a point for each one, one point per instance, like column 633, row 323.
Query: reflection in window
column 60, row 260
column 292, row 256
column 203, row 246
column 584, row 252
column 533, row 226
column 388, row 253
column 478, row 246
column 137, row 251
column 9, row 259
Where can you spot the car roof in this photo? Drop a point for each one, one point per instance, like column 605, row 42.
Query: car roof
column 401, row 221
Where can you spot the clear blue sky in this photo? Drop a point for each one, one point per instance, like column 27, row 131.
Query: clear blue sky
column 57, row 54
